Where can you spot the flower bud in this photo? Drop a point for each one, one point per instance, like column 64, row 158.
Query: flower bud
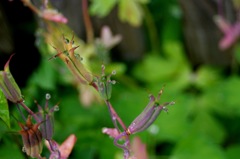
column 46, row 116
column 9, row 86
column 105, row 83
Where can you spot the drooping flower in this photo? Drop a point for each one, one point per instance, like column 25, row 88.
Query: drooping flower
column 32, row 138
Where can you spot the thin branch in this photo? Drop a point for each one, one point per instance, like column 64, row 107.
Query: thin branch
column 30, row 111
column 114, row 115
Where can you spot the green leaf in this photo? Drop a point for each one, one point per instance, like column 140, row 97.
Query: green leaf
column 45, row 76
column 102, row 7
column 156, row 68
column 207, row 76
column 174, row 124
column 131, row 12
column 143, row 1
column 174, row 51
column 233, row 151
column 237, row 53
column 4, row 111
column 197, row 147
column 9, row 150
column 206, row 125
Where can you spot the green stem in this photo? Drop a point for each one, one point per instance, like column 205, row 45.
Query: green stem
column 153, row 35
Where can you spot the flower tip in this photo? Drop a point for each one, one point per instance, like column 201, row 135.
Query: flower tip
column 6, row 66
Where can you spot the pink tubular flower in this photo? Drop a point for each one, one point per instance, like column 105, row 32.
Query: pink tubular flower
column 231, row 32
column 65, row 148
column 112, row 132
column 139, row 149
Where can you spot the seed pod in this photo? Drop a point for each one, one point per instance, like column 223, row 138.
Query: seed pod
column 32, row 138
column 148, row 115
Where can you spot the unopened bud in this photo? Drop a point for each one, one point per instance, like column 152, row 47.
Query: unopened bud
column 8, row 85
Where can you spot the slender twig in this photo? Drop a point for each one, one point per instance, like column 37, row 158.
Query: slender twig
column 31, row 6
column 30, row 111
column 24, row 118
column 115, row 115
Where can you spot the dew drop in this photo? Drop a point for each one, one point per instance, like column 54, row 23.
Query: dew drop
column 23, row 149
column 56, row 108
column 114, row 72
column 103, row 67
column 48, row 96
column 113, row 82
column 153, row 129
column 66, row 41
column 77, row 56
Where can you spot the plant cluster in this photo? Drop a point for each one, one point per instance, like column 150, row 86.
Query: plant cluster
column 42, row 128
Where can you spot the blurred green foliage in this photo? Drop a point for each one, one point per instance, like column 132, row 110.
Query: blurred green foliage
column 204, row 122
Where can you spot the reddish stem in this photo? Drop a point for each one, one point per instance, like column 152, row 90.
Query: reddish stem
column 31, row 6
column 87, row 21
